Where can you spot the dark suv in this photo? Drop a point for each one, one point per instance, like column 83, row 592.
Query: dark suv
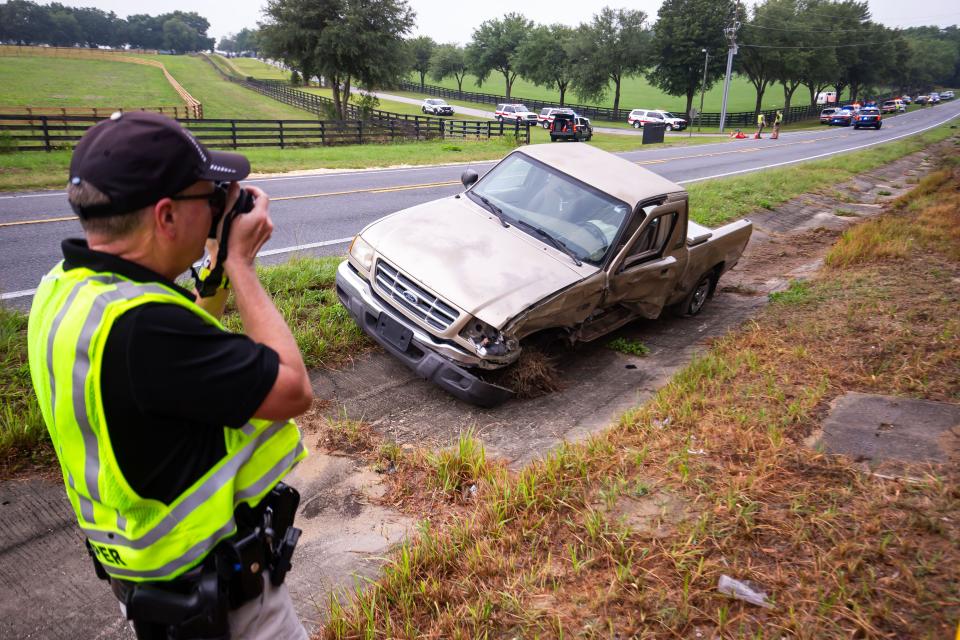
column 570, row 126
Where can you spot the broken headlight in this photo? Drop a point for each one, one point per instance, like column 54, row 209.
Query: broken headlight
column 488, row 341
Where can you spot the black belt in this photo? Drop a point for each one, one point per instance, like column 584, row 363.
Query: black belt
column 196, row 604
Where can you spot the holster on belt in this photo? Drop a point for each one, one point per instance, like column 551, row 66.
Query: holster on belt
column 196, row 604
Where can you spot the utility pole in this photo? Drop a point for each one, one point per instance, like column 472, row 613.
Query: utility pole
column 731, row 34
column 703, row 87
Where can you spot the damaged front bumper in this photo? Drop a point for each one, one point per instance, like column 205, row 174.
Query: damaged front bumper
column 415, row 348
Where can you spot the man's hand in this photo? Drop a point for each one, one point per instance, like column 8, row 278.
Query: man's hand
column 248, row 232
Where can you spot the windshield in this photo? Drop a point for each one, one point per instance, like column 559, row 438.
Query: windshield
column 437, row 102
column 580, row 217
column 520, row 107
column 667, row 114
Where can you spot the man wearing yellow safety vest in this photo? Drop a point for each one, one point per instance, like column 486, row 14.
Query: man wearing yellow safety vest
column 777, row 121
column 173, row 434
column 761, row 123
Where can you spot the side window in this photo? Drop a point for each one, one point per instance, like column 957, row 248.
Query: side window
column 656, row 116
column 654, row 238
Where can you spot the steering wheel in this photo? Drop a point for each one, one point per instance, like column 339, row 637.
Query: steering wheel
column 590, row 227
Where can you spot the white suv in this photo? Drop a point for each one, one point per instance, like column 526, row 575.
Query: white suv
column 516, row 113
column 437, row 107
column 638, row 117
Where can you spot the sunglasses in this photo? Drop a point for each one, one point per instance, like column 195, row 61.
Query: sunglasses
column 217, row 200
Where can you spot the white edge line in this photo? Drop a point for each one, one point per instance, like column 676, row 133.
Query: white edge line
column 270, row 252
column 821, row 155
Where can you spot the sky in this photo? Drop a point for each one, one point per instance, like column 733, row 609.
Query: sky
column 449, row 22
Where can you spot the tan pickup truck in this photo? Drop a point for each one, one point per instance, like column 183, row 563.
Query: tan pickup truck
column 558, row 240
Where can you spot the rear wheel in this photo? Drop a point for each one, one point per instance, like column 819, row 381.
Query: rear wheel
column 878, row 126
column 693, row 303
column 553, row 138
column 636, row 125
column 546, row 125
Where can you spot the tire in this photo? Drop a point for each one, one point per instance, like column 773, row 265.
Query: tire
column 637, row 125
column 588, row 138
column 553, row 138
column 693, row 303
column 669, row 127
column 424, row 109
column 546, row 125
column 856, row 127
column 498, row 118
column 878, row 127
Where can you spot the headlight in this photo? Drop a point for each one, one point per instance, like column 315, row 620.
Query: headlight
column 486, row 340
column 362, row 252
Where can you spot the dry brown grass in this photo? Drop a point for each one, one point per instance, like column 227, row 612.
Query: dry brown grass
column 627, row 534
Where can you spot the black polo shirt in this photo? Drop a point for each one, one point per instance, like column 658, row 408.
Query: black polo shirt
column 170, row 383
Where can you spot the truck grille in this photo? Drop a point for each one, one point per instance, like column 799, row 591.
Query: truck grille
column 413, row 298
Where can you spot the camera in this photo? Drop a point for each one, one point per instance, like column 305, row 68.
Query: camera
column 245, row 201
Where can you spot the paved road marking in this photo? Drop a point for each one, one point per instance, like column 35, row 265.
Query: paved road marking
column 40, row 221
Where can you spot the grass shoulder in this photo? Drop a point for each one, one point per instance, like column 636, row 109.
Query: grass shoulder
column 633, row 529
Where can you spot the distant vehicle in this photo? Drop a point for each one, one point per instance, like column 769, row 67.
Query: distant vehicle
column 639, row 117
column 893, row 106
column 934, row 97
column 842, row 117
column 826, row 97
column 547, row 115
column 947, row 95
column 867, row 117
column 923, row 100
column 515, row 112
column 570, row 127
column 826, row 113
column 437, row 107
column 906, row 99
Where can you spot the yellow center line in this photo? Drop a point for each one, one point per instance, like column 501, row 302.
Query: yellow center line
column 328, row 194
column 41, row 221
column 431, row 185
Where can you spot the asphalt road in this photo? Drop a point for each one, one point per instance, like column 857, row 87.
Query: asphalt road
column 318, row 214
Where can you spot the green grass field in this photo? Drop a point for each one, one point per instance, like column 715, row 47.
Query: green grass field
column 635, row 93
column 259, row 70
column 63, row 82
column 223, row 99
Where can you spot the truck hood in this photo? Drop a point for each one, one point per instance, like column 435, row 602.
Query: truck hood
column 463, row 254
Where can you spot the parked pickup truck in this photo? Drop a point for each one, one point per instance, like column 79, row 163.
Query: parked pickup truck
column 558, row 241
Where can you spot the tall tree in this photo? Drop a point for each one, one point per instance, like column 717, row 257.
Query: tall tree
column 449, row 60
column 759, row 55
column 614, row 45
column 420, row 50
column 494, row 48
column 346, row 41
column 179, row 36
column 247, row 41
column 545, row 57
column 683, row 29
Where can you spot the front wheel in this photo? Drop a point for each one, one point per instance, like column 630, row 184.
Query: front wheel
column 669, row 127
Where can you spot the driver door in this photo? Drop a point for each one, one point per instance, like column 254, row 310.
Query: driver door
column 647, row 269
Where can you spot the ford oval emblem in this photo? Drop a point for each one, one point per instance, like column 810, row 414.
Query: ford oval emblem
column 410, row 297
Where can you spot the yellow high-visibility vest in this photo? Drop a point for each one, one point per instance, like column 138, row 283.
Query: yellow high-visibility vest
column 135, row 538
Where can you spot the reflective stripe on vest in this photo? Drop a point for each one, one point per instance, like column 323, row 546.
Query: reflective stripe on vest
column 135, row 538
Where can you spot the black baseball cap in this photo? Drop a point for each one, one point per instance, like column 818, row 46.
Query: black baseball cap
column 137, row 158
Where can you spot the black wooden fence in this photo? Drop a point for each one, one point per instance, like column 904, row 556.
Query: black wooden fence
column 322, row 106
column 47, row 133
column 734, row 119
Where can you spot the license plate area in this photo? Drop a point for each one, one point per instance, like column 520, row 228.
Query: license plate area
column 394, row 332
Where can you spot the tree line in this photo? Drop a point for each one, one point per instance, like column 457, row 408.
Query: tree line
column 790, row 44
column 29, row 23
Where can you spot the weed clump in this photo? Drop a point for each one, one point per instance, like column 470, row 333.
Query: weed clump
column 629, row 347
column 533, row 375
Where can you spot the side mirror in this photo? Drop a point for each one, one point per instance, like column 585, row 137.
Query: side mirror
column 468, row 177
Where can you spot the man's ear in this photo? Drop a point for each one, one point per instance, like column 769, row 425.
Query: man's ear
column 164, row 219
